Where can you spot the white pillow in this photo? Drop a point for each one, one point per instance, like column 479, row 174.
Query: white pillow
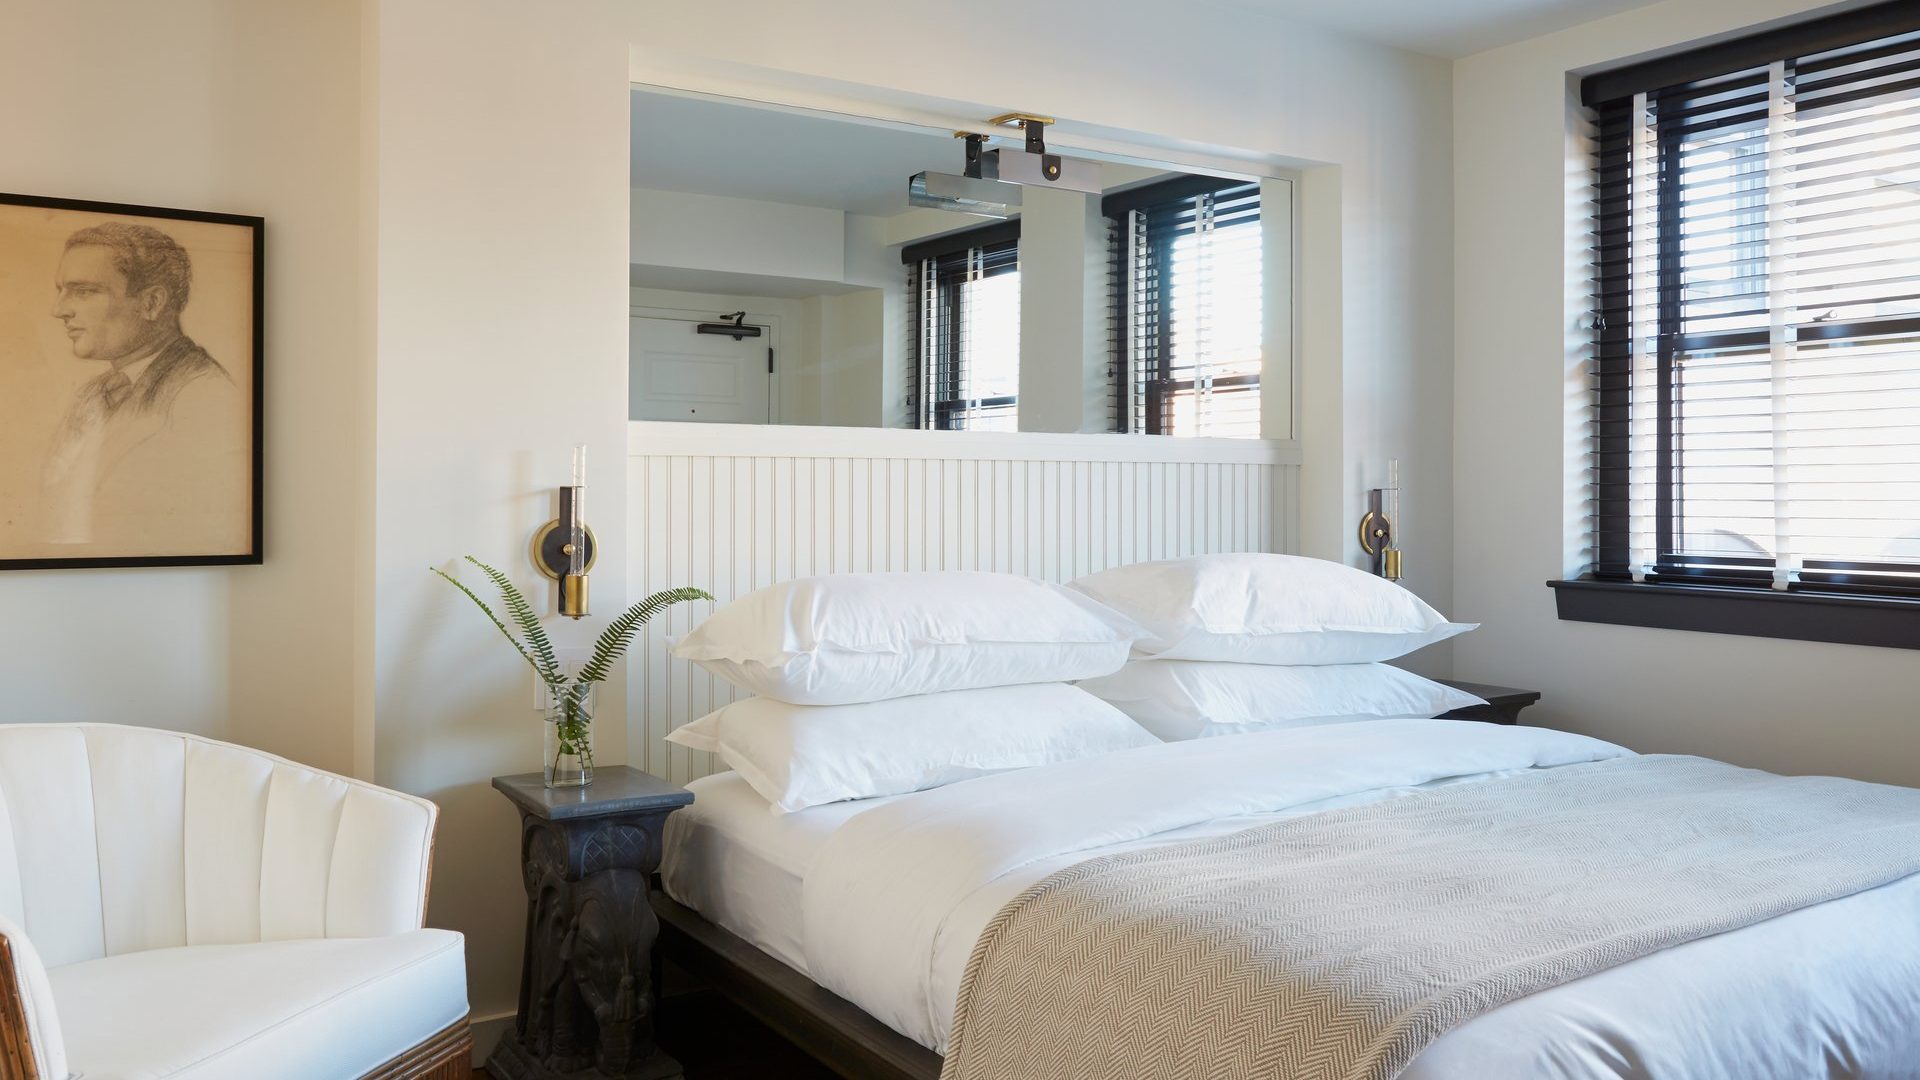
column 846, row 638
column 1268, row 609
column 798, row 756
column 1185, row 699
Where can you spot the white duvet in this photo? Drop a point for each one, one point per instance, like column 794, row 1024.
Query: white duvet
column 896, row 897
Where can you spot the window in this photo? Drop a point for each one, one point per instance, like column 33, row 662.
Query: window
column 1187, row 272
column 1756, row 377
column 964, row 311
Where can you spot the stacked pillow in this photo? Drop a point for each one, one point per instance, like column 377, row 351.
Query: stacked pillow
column 879, row 684
column 1239, row 643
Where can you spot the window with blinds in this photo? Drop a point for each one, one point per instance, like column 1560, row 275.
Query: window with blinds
column 964, row 321
column 1756, row 406
column 1187, row 328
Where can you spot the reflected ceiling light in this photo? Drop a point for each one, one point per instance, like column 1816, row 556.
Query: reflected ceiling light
column 971, row 194
column 990, row 186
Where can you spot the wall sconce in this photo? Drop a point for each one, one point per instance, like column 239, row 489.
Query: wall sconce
column 564, row 548
column 1377, row 537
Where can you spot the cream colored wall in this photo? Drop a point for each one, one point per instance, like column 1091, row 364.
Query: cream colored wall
column 1059, row 364
column 845, row 357
column 873, row 262
column 246, row 108
column 1786, row 705
column 747, row 236
column 502, row 196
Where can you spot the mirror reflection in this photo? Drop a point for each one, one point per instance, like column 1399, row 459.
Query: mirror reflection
column 802, row 268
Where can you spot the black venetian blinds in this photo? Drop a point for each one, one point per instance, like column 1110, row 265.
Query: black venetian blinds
column 963, row 322
column 1755, row 414
column 1186, row 320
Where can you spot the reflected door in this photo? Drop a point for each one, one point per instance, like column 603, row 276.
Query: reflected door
column 676, row 374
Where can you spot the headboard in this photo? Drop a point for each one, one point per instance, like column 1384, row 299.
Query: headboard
column 731, row 508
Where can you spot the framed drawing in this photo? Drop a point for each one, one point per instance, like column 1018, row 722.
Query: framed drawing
column 130, row 385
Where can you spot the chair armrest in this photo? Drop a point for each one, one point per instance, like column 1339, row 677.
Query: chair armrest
column 382, row 860
column 30, row 1043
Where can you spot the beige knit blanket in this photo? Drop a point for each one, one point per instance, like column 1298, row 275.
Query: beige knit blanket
column 1339, row 944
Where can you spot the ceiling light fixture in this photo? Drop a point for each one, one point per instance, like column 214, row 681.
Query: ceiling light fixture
column 1034, row 166
column 970, row 193
column 991, row 185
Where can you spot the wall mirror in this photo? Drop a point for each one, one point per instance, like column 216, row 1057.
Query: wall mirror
column 787, row 268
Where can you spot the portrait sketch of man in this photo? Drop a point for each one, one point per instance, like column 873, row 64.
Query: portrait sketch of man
column 143, row 410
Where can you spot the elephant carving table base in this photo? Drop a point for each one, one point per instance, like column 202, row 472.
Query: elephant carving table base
column 587, row 989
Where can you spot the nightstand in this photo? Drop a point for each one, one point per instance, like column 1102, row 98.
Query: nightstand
column 587, row 994
column 1503, row 702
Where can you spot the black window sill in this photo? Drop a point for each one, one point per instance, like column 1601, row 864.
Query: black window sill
column 1887, row 621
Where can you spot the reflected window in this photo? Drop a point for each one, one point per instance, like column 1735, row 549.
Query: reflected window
column 1187, row 268
column 965, row 323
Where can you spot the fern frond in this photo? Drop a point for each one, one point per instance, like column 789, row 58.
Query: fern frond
column 495, row 619
column 576, row 697
column 528, row 620
column 618, row 635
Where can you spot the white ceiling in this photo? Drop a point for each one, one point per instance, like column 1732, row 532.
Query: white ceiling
column 1443, row 27
column 721, row 148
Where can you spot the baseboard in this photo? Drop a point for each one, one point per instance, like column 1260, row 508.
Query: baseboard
column 487, row 1030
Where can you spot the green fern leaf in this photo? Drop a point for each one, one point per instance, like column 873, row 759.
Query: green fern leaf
column 529, row 622
column 619, row 634
column 495, row 619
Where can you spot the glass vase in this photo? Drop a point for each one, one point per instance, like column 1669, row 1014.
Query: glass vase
column 568, row 757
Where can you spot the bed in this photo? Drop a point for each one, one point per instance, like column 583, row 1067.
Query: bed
column 849, row 927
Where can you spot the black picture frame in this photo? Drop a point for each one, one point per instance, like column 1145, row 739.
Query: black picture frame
column 256, row 529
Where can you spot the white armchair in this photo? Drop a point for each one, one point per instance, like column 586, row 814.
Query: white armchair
column 174, row 907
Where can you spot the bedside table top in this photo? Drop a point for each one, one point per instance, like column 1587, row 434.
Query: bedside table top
column 1498, row 695
column 616, row 789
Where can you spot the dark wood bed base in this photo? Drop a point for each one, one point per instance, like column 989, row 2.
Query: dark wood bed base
column 838, row 1033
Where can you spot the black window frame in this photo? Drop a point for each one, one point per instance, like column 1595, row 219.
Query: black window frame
column 1158, row 388
column 1829, row 600
column 937, row 377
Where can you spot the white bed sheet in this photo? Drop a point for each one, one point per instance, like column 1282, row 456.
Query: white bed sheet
column 1711, row 1009
column 730, row 858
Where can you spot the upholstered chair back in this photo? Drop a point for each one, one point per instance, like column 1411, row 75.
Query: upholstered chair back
column 117, row 839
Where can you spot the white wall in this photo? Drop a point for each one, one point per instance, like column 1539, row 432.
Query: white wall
column 247, row 108
column 745, row 236
column 501, row 189
column 1785, row 705
column 846, row 357
column 1061, row 367
column 873, row 261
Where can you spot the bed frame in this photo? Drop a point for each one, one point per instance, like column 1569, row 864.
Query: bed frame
column 835, row 1031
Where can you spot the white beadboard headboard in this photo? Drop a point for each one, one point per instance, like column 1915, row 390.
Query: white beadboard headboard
column 731, row 508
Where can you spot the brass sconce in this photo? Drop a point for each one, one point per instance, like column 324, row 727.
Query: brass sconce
column 564, row 548
column 1377, row 537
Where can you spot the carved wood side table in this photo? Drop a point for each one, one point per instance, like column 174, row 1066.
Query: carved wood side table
column 587, row 990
